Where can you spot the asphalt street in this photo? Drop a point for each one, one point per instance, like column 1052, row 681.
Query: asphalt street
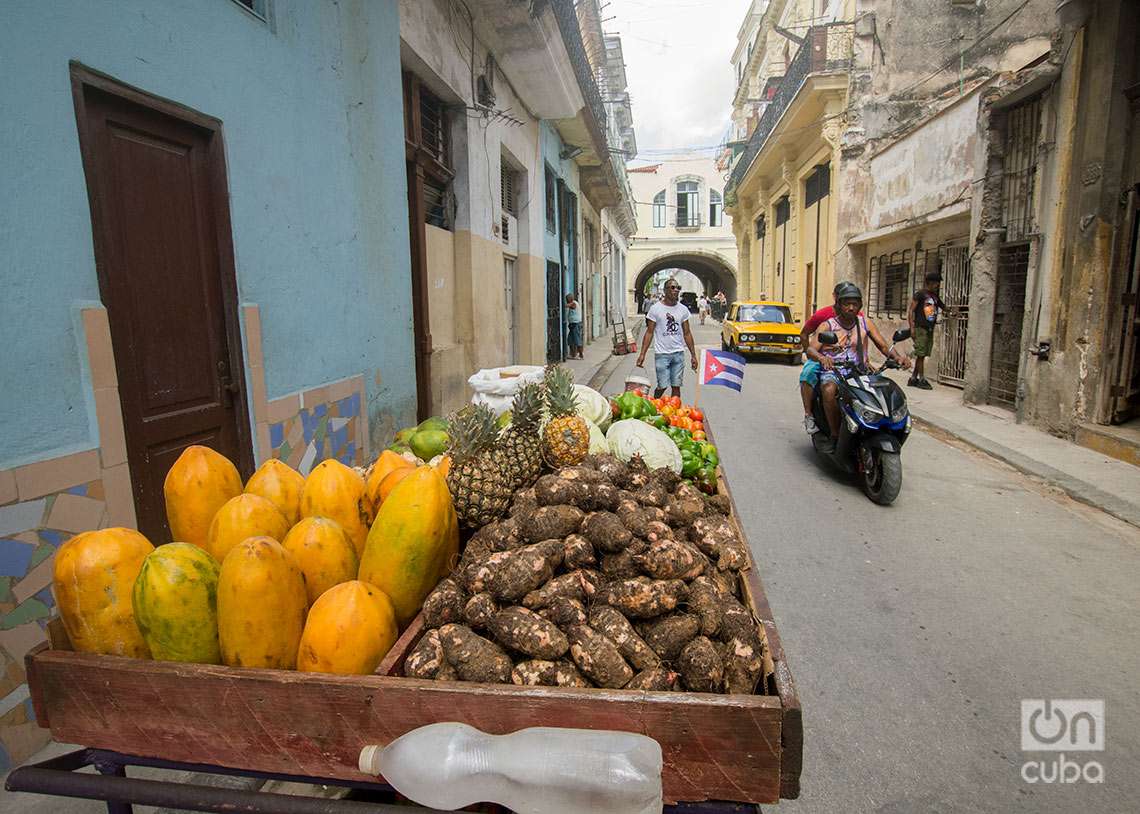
column 914, row 631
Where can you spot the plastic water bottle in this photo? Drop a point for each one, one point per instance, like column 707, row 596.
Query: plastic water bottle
column 541, row 770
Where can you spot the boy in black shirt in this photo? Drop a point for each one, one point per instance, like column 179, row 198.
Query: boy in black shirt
column 922, row 315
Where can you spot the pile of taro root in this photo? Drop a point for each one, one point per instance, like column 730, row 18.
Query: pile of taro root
column 606, row 575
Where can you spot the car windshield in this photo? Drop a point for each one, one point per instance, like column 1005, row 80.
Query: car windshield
column 763, row 313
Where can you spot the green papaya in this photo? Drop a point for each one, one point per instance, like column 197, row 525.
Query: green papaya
column 426, row 444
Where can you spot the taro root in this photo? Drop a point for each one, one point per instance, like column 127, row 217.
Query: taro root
column 701, row 666
column 666, row 478
column 615, row 627
column 736, row 621
column 686, row 491
column 426, row 658
column 657, row 679
column 719, row 504
column 653, row 495
column 479, row 609
column 603, row 497
column 571, row 586
column 743, row 664
column 683, row 511
column 581, row 474
column 669, row 559
column 473, row 657
column 502, row 535
column 577, row 552
column 727, row 582
column 668, row 635
column 706, row 600
column 476, row 551
column 511, row 575
column 444, row 604
column 552, row 490
column 656, row 530
column 549, row 522
column 524, row 503
column 733, row 556
column 641, row 597
column 622, row 565
column 634, row 518
column 606, row 532
column 614, row 470
column 564, row 612
column 526, row 632
column 597, row 657
column 544, row 673
column 637, row 474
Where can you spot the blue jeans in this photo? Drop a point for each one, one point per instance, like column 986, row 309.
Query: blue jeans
column 670, row 369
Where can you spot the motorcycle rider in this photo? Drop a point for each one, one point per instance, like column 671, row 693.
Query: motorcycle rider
column 853, row 331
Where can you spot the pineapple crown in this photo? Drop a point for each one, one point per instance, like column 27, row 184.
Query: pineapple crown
column 561, row 399
column 472, row 431
column 526, row 408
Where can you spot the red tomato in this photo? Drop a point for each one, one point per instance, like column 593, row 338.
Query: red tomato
column 683, row 412
column 698, row 426
column 696, row 414
column 674, row 401
column 698, row 435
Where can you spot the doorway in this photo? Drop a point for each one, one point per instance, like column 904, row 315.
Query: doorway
column 809, row 286
column 955, row 293
column 1009, row 311
column 509, row 281
column 156, row 182
column 553, row 312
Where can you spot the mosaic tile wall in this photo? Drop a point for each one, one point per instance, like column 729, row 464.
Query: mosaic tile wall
column 325, row 430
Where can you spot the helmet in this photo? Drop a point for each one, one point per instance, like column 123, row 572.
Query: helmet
column 848, row 291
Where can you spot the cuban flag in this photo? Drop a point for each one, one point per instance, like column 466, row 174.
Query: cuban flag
column 723, row 368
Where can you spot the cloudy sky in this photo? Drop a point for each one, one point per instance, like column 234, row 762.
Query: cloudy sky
column 677, row 62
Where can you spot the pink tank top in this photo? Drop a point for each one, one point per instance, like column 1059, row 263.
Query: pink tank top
column 851, row 349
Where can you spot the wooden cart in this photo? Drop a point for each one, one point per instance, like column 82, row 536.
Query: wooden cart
column 740, row 748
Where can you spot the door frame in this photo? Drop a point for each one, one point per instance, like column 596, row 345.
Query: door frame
column 83, row 77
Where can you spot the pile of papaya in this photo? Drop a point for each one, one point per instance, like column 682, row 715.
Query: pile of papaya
column 316, row 573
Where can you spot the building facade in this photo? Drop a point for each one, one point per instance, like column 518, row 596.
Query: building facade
column 681, row 224
column 189, row 259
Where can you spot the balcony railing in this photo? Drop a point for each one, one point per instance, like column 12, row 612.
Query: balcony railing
column 567, row 17
column 684, row 221
column 826, row 48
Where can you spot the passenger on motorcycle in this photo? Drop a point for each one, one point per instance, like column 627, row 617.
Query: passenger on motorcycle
column 853, row 331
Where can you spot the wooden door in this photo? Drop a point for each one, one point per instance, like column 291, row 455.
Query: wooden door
column 156, row 182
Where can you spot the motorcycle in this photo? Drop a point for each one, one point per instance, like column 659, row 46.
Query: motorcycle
column 874, row 424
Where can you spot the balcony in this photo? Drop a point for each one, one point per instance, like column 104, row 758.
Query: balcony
column 690, row 222
column 827, row 49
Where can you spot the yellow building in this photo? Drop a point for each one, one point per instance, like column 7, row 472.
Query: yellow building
column 794, row 85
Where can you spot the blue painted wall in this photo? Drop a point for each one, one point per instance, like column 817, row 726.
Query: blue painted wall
column 311, row 107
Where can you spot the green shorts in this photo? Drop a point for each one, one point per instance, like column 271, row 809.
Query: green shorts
column 923, row 341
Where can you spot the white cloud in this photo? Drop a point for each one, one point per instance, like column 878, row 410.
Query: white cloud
column 677, row 62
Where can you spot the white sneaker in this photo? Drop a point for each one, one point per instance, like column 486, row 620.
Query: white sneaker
column 810, row 425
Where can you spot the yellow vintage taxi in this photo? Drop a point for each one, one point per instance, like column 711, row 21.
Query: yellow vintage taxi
column 761, row 328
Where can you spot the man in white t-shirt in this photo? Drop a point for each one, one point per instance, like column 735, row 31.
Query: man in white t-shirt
column 667, row 324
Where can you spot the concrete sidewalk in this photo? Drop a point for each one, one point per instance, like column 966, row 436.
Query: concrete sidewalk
column 1090, row 477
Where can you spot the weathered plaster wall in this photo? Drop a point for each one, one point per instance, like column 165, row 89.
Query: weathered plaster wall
column 317, row 201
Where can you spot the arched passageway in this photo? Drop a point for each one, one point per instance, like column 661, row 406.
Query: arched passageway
column 714, row 272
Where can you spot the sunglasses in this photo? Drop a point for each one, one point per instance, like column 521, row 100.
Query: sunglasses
column 672, row 288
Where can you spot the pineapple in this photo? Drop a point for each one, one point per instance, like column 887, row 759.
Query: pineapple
column 566, row 439
column 520, row 443
column 478, row 480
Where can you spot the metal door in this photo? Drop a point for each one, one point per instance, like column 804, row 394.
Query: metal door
column 956, row 294
column 553, row 312
column 1125, row 390
column 1009, row 310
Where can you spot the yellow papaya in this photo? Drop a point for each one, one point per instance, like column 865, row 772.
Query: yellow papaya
column 387, row 462
column 350, row 629
column 413, row 543
column 323, row 552
column 335, row 491
column 176, row 604
column 281, row 485
column 261, row 605
column 92, row 578
column 241, row 517
column 200, row 481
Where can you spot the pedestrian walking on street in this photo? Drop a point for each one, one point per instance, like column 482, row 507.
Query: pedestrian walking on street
column 667, row 325
column 922, row 316
column 573, row 327
column 703, row 307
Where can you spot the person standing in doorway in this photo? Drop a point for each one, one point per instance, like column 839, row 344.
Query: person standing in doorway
column 667, row 325
column 922, row 316
column 573, row 326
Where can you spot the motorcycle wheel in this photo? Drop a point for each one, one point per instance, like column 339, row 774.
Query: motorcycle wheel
column 881, row 477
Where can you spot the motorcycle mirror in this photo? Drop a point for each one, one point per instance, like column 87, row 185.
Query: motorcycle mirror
column 902, row 334
column 828, row 338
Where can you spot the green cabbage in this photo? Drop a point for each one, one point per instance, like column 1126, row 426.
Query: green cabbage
column 593, row 406
column 598, row 443
column 633, row 436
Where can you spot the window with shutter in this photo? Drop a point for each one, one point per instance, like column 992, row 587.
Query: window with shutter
column 783, row 211
column 659, row 209
column 508, row 180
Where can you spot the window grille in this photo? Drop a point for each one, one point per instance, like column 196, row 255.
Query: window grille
column 433, row 127
column 551, row 218
column 436, row 204
column 1020, row 170
column 890, row 283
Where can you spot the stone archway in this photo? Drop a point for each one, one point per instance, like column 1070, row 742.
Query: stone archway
column 714, row 271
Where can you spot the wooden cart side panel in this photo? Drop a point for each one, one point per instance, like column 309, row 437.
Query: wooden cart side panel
column 781, row 675
column 715, row 746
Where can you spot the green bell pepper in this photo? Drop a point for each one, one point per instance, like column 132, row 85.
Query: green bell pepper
column 690, row 464
column 709, row 454
column 706, row 479
column 634, row 406
column 658, row 422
